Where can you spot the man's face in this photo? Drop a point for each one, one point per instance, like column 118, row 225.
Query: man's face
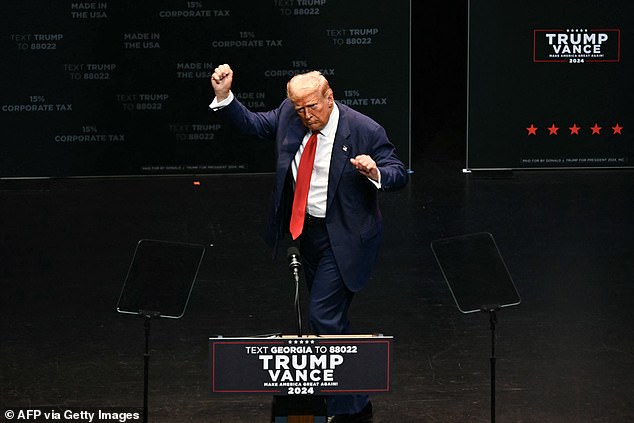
column 313, row 107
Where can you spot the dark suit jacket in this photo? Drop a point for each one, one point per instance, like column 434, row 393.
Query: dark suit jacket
column 353, row 218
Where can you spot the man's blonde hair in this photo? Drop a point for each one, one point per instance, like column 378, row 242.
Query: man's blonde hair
column 313, row 80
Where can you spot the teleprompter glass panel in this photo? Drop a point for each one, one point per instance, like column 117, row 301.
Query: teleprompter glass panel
column 475, row 272
column 160, row 278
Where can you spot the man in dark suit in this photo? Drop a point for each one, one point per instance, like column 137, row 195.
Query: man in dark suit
column 331, row 163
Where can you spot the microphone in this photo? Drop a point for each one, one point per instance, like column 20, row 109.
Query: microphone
column 293, row 262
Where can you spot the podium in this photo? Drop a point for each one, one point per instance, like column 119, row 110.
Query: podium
column 299, row 371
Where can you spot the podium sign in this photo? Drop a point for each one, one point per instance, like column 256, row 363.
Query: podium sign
column 309, row 365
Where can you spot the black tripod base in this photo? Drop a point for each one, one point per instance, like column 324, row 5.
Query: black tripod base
column 299, row 409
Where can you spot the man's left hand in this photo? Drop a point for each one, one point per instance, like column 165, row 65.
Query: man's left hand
column 366, row 166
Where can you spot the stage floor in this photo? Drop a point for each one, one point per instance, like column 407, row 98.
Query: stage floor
column 565, row 354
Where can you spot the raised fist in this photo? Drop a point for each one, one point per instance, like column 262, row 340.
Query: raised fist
column 221, row 81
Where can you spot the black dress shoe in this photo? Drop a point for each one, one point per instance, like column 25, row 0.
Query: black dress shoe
column 363, row 416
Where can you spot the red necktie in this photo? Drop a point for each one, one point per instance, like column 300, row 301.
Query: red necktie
column 302, row 186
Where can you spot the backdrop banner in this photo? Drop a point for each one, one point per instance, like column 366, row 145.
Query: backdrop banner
column 550, row 84
column 99, row 88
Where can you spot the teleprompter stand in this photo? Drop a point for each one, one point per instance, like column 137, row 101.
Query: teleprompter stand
column 158, row 285
column 478, row 280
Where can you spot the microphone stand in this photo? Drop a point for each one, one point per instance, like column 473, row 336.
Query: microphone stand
column 298, row 309
column 312, row 407
column 294, row 265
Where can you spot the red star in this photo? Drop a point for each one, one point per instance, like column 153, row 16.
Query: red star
column 574, row 129
column 553, row 130
column 532, row 130
column 596, row 129
column 617, row 129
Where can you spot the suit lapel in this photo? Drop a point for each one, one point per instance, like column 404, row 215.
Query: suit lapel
column 289, row 143
column 341, row 153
